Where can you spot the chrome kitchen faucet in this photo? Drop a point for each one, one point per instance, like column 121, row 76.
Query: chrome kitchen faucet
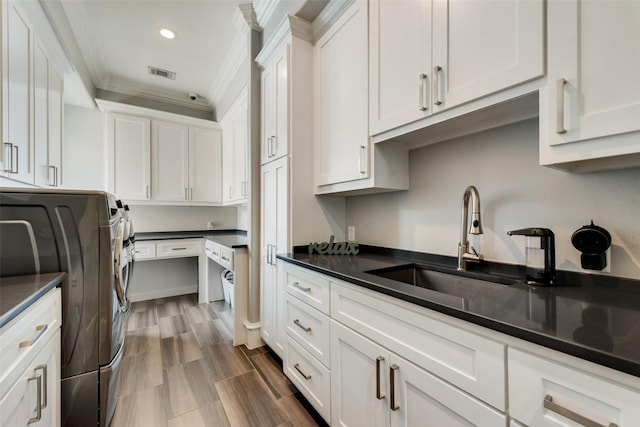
column 464, row 256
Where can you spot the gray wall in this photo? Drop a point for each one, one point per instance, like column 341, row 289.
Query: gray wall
column 515, row 192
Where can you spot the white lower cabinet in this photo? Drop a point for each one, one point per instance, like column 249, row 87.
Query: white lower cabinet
column 543, row 392
column 30, row 365
column 374, row 387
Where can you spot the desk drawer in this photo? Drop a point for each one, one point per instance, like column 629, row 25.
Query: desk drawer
column 226, row 257
column 145, row 250
column 178, row 248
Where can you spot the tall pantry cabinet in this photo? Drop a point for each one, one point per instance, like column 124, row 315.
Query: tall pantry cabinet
column 287, row 202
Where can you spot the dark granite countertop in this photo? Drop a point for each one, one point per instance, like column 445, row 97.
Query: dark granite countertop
column 230, row 238
column 17, row 293
column 593, row 317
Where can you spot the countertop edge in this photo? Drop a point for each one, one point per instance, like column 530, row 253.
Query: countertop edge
column 592, row 355
column 147, row 236
column 26, row 303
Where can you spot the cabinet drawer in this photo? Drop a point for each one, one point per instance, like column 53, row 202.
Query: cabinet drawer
column 309, row 328
column 22, row 338
column 226, row 257
column 308, row 287
column 312, row 379
column 463, row 358
column 540, row 390
column 145, row 250
column 212, row 250
column 178, row 248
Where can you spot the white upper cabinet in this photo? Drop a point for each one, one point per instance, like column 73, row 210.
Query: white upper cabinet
column 346, row 161
column 186, row 163
column 429, row 56
column 162, row 158
column 170, row 161
column 342, row 130
column 481, row 47
column 590, row 109
column 129, row 156
column 205, row 165
column 33, row 66
column 400, row 62
column 275, row 91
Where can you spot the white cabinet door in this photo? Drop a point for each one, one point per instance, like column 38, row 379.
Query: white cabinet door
column 267, row 111
column 275, row 113
column 34, row 399
column 234, row 152
column 129, row 156
column 47, row 118
column 274, row 239
column 56, row 107
column 17, row 46
column 359, row 380
column 399, row 62
column 418, row 398
column 205, row 165
column 481, row 47
column 593, row 93
column 41, row 65
column 342, row 126
column 170, row 161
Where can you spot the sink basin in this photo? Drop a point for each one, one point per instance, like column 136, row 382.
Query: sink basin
column 458, row 284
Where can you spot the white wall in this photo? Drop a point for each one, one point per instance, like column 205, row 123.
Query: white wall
column 84, row 165
column 515, row 192
column 182, row 218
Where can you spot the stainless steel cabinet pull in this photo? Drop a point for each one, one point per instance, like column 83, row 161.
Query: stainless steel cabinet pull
column 560, row 106
column 273, row 147
column 8, row 161
column 40, row 330
column 178, row 249
column 38, row 379
column 302, row 288
column 379, row 395
column 44, row 385
column 148, row 191
column 392, row 377
column 436, row 84
column 244, row 189
column 230, row 192
column 424, row 83
column 568, row 413
column 301, row 326
column 306, row 377
column 55, row 176
column 224, row 258
column 361, row 159
column 15, row 147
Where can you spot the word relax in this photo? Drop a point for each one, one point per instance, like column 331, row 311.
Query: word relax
column 334, row 248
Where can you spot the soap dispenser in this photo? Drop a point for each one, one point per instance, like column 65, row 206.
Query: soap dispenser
column 540, row 255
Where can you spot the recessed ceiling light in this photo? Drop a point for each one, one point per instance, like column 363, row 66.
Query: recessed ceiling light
column 168, row 33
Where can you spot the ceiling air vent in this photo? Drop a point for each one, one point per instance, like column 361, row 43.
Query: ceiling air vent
column 162, row 73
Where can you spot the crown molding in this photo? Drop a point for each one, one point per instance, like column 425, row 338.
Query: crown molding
column 238, row 53
column 264, row 10
column 91, row 56
column 328, row 16
column 290, row 26
column 116, row 84
column 121, row 108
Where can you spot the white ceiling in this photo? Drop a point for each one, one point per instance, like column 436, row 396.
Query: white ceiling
column 119, row 39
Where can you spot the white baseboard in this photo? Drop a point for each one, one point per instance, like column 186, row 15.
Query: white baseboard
column 163, row 293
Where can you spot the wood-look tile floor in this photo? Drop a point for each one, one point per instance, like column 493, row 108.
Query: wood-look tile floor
column 180, row 369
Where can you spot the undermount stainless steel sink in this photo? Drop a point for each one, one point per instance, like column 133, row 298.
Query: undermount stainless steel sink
column 450, row 283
